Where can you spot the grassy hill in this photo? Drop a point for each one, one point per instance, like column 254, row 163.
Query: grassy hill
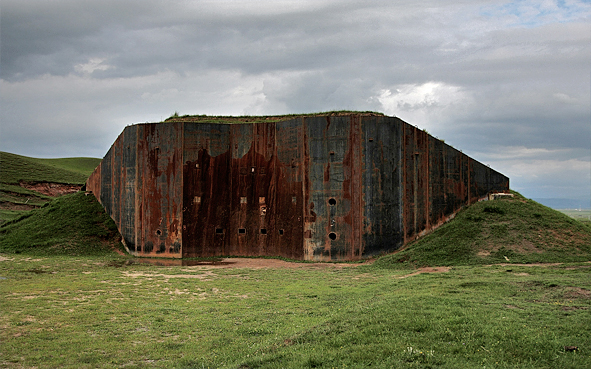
column 18, row 174
column 16, row 168
column 514, row 230
column 37, row 223
column 73, row 224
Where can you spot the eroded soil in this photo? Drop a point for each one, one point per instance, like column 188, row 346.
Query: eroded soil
column 51, row 189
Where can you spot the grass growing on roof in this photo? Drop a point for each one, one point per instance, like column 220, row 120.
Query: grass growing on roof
column 259, row 119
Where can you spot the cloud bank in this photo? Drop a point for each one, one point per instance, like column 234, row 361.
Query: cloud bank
column 506, row 82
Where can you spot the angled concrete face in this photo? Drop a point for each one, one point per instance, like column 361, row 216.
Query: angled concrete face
column 310, row 188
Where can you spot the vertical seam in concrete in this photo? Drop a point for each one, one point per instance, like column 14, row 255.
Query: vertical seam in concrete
column 401, row 184
column 182, row 173
column 305, row 187
column 136, row 197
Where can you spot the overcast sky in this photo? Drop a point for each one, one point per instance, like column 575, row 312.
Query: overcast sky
column 508, row 83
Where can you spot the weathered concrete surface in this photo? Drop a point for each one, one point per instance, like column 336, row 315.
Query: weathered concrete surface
column 314, row 188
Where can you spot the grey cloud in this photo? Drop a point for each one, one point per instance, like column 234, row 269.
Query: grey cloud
column 73, row 67
column 149, row 38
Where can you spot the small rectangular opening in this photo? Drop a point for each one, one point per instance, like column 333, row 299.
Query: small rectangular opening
column 241, row 230
column 281, row 232
column 197, row 165
column 294, row 199
column 252, row 170
column 219, row 230
column 263, row 230
column 243, row 200
column 261, row 199
column 197, row 199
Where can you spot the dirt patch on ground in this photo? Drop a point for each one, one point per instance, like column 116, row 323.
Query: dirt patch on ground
column 204, row 277
column 577, row 293
column 525, row 247
column 569, row 239
column 51, row 189
column 427, row 270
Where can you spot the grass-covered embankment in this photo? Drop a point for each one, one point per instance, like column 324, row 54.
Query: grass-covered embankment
column 18, row 173
column 514, row 230
column 74, row 224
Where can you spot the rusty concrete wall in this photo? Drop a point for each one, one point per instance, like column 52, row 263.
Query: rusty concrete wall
column 439, row 180
column 114, row 183
column 375, row 183
column 159, row 201
column 206, row 189
column 382, row 184
column 333, row 175
column 242, row 190
column 313, row 188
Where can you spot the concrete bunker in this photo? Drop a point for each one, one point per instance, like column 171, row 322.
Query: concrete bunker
column 328, row 187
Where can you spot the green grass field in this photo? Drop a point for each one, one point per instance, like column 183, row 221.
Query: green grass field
column 512, row 291
column 100, row 312
column 583, row 215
